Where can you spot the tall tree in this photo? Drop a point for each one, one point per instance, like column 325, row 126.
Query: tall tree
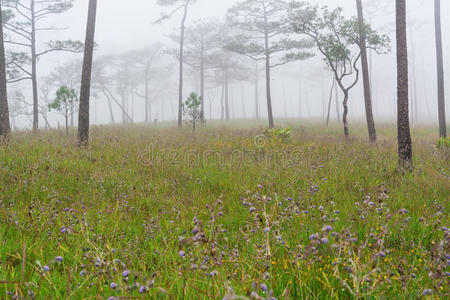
column 440, row 70
column 337, row 39
column 25, row 26
column 403, row 130
column 5, row 127
column 85, row 91
column 264, row 33
column 365, row 72
column 184, row 6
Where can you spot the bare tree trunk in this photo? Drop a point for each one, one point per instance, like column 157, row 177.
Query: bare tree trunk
column 404, row 135
column 329, row 102
column 180, row 91
column 344, row 116
column 85, row 91
column 365, row 71
column 256, row 91
column 5, row 126
column 268, row 93
column 222, row 106
column 227, row 104
column 67, row 122
column 202, row 81
column 110, row 107
column 440, row 70
column 146, row 97
column 34, row 69
column 244, row 115
column 336, row 96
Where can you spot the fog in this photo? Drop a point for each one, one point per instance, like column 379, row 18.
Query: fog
column 124, row 26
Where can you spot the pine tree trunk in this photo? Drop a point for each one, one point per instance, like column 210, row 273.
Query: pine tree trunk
column 329, row 102
column 227, row 104
column 404, row 135
column 440, row 70
column 268, row 92
column 146, row 98
column 365, row 71
column 222, row 106
column 5, row 127
column 336, row 96
column 83, row 116
column 202, row 82
column 180, row 89
column 256, row 92
column 34, row 69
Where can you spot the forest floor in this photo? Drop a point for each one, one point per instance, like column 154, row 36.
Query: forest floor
column 163, row 213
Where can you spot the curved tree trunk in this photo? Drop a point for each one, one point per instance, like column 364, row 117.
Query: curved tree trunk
column 403, row 129
column 5, row 127
column 85, row 92
column 440, row 70
column 365, row 71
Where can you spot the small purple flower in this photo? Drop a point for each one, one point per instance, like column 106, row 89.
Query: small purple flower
column 324, row 240
column 181, row 253
column 260, row 186
column 142, row 289
column 327, row 228
column 46, row 268
column 63, row 229
column 125, row 273
column 59, row 258
column 427, row 292
column 313, row 236
column 252, row 209
column 82, row 272
column 403, row 211
column 263, row 287
column 266, row 230
column 111, row 298
column 321, row 208
column 113, row 285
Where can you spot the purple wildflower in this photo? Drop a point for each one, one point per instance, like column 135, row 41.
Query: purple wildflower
column 113, row 285
column 59, row 258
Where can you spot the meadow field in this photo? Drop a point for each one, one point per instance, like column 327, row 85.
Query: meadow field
column 226, row 213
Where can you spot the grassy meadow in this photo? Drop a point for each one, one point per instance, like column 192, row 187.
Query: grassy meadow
column 226, row 213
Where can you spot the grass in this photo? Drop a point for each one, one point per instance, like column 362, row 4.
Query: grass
column 222, row 214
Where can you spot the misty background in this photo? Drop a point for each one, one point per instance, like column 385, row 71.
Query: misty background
column 123, row 27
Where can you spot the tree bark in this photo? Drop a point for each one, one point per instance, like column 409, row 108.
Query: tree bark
column 202, row 81
column 365, row 71
column 222, row 107
column 268, row 92
column 329, row 102
column 227, row 104
column 440, row 70
column 180, row 89
column 5, row 126
column 344, row 115
column 336, row 96
column 403, row 129
column 256, row 92
column 83, row 116
column 34, row 69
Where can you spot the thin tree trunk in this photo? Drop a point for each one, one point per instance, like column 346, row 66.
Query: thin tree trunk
column 110, row 107
column 268, row 93
column 244, row 115
column 85, row 91
column 440, row 70
column 227, row 104
column 365, row 71
column 180, row 91
column 344, row 115
column 34, row 69
column 146, row 98
column 222, row 106
column 329, row 102
column 5, row 126
column 202, row 81
column 256, row 92
column 404, row 135
column 67, row 122
column 336, row 96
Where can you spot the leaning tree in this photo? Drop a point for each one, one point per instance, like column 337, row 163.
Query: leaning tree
column 263, row 35
column 23, row 28
column 338, row 40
